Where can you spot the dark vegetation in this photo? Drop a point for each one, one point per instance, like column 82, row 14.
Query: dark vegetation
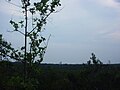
column 60, row 77
column 27, row 73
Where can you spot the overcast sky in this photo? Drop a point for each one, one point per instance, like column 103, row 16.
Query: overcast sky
column 82, row 27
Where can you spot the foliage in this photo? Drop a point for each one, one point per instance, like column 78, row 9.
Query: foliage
column 35, row 44
column 94, row 60
column 60, row 77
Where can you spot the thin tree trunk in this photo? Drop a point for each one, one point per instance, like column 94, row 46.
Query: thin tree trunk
column 25, row 60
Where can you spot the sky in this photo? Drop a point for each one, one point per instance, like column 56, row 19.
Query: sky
column 81, row 27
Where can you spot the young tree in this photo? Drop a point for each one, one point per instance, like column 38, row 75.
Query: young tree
column 95, row 60
column 33, row 48
column 39, row 11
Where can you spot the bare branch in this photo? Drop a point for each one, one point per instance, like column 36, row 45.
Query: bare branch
column 17, row 31
column 32, row 30
column 48, row 39
column 13, row 4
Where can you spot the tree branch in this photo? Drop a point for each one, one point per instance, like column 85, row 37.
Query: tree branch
column 36, row 25
column 17, row 31
column 13, row 4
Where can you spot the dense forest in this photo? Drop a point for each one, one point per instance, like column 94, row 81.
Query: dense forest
column 60, row 76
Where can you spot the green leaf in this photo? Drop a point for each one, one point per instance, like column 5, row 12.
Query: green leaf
column 43, row 38
column 22, row 48
column 11, row 22
column 32, row 10
column 21, row 22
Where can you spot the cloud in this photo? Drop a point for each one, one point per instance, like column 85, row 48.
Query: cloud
column 117, row 1
column 10, row 9
column 115, row 35
column 72, row 10
column 110, row 3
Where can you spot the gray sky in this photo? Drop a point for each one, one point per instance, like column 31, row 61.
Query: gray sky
column 82, row 27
